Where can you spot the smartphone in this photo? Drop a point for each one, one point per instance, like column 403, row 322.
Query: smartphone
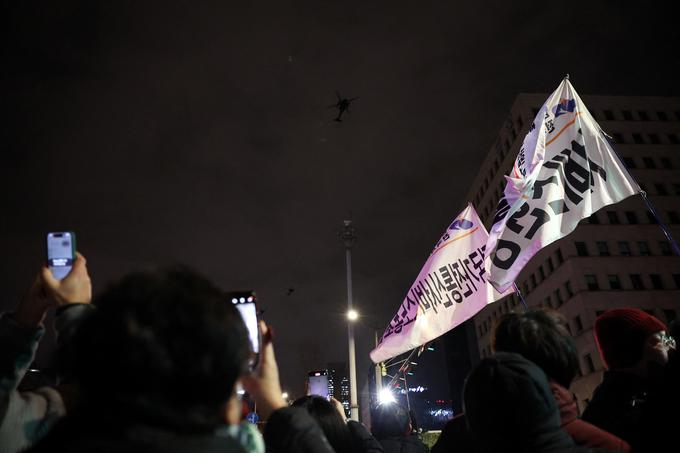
column 318, row 383
column 61, row 253
column 246, row 303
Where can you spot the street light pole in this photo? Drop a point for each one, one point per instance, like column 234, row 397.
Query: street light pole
column 348, row 237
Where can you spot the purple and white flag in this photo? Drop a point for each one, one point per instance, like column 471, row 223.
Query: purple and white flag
column 565, row 171
column 451, row 288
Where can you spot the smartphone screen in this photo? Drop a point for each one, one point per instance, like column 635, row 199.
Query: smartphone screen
column 318, row 383
column 61, row 252
column 245, row 303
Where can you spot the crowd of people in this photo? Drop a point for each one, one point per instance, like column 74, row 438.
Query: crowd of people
column 156, row 366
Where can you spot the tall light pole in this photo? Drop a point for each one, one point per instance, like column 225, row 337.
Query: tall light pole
column 348, row 237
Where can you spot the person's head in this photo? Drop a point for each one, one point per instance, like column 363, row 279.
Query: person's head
column 542, row 337
column 509, row 406
column 391, row 420
column 164, row 346
column 329, row 419
column 631, row 339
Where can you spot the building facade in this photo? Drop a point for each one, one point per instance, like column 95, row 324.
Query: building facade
column 338, row 384
column 617, row 258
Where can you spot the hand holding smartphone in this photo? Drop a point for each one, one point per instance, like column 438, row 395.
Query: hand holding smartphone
column 246, row 303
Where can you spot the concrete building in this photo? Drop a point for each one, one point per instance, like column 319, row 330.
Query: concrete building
column 617, row 258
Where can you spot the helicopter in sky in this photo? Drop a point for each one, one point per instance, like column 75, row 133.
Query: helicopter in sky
column 342, row 105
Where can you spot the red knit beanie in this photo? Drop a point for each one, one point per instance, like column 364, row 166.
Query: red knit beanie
column 621, row 335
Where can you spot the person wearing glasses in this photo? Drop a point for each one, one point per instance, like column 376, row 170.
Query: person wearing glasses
column 635, row 349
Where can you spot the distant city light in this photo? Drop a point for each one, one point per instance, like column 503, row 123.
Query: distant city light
column 385, row 396
column 419, row 389
column 441, row 413
column 284, row 395
column 352, row 315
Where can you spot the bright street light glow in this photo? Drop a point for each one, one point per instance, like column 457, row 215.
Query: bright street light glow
column 284, row 395
column 385, row 396
column 352, row 315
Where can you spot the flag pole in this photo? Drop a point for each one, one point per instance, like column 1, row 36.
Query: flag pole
column 521, row 297
column 663, row 226
column 648, row 202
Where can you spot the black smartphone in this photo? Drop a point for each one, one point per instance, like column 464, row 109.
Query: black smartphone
column 61, row 253
column 246, row 303
column 318, row 383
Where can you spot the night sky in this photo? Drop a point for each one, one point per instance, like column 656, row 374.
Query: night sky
column 198, row 133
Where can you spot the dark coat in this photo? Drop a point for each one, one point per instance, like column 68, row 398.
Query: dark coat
column 362, row 440
column 288, row 430
column 617, row 404
column 582, row 432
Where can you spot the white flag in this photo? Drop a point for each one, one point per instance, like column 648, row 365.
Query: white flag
column 565, row 171
column 450, row 289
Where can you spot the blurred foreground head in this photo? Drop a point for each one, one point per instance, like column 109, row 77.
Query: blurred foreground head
column 542, row 337
column 164, row 347
column 329, row 419
column 391, row 420
column 509, row 407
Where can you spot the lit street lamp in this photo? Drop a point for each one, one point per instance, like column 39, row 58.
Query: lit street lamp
column 348, row 237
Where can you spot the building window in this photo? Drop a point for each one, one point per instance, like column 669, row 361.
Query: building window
column 590, row 365
column 570, row 333
column 591, row 282
column 614, row 282
column 613, row 217
column 673, row 217
column 547, row 302
column 558, row 298
column 631, row 217
column 654, row 139
column 578, row 323
column 665, row 247
column 567, row 288
column 624, row 248
column 581, row 249
column 618, row 138
column 651, row 218
column 609, row 115
column 649, row 162
column 662, row 116
column 541, row 273
column 644, row 248
column 636, row 281
column 594, row 219
column 558, row 255
column 533, row 281
column 660, row 189
column 666, row 163
column 629, row 162
column 676, row 188
column 657, row 283
column 549, row 263
column 676, row 280
column 673, row 139
column 643, row 115
column 637, row 138
column 627, row 115
column 602, row 248
column 670, row 315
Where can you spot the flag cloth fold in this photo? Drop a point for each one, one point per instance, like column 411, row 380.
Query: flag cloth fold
column 451, row 287
column 565, row 171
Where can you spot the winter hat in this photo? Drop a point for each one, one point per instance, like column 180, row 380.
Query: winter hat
column 509, row 407
column 621, row 335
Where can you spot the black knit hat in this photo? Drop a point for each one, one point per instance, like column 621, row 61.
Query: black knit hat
column 510, row 407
